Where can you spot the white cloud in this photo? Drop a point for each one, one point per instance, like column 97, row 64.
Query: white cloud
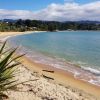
column 15, row 14
column 58, row 12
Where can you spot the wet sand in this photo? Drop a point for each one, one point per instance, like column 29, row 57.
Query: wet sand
column 41, row 88
column 62, row 77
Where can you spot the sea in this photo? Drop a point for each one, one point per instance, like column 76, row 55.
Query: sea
column 77, row 52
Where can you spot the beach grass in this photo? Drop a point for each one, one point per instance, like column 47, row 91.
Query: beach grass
column 8, row 69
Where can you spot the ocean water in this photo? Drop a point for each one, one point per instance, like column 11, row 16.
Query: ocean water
column 60, row 49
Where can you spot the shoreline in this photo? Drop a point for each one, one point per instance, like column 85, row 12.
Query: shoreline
column 5, row 35
column 42, row 88
column 60, row 76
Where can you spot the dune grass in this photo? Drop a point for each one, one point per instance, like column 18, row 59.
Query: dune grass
column 8, row 69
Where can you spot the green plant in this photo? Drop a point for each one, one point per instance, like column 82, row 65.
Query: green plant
column 8, row 67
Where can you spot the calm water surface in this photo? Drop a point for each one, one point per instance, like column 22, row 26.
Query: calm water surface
column 79, row 47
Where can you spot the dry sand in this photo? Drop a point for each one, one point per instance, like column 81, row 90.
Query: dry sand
column 16, row 33
column 44, row 89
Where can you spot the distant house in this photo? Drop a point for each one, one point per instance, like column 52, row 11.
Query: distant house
column 69, row 30
column 56, row 30
column 34, row 27
column 7, row 22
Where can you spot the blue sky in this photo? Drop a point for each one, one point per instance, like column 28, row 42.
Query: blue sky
column 56, row 10
column 34, row 4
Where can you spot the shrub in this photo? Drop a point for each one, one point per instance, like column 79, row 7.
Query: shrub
column 8, row 67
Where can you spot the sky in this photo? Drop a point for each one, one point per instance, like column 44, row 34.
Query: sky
column 56, row 10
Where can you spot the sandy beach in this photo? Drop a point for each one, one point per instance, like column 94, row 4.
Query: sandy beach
column 62, row 77
column 44, row 89
column 13, row 33
column 6, row 34
column 49, row 83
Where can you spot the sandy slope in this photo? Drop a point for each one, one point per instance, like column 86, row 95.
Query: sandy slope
column 44, row 89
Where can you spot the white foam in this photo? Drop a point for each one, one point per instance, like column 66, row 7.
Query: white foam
column 4, row 38
column 94, row 71
column 93, row 82
column 76, row 74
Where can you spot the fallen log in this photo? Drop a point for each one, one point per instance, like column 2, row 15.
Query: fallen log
column 48, row 71
column 47, row 77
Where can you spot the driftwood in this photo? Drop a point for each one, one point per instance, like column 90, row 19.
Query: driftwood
column 48, row 77
column 48, row 71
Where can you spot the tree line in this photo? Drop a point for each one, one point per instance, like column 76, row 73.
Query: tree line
column 32, row 25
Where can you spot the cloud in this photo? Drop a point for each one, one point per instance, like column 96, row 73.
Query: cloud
column 15, row 14
column 68, row 0
column 58, row 12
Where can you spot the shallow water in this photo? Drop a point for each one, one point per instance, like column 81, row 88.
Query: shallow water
column 56, row 48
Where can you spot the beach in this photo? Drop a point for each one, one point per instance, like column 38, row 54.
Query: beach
column 63, row 77
column 50, row 83
column 5, row 35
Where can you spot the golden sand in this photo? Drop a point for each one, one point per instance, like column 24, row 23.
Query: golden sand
column 62, row 77
column 14, row 33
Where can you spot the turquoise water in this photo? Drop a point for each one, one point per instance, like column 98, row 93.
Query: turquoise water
column 78, row 47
